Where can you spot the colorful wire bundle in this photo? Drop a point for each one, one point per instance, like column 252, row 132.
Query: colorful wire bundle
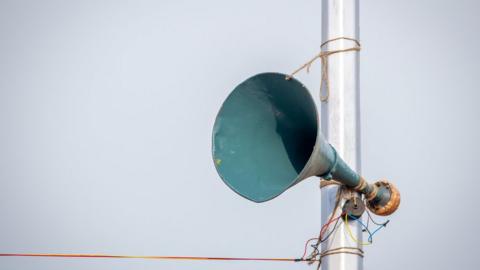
column 347, row 225
column 315, row 255
column 346, row 218
column 370, row 234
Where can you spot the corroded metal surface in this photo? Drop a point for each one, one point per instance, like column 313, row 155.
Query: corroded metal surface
column 387, row 201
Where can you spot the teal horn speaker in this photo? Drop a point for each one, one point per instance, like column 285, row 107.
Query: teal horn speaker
column 266, row 139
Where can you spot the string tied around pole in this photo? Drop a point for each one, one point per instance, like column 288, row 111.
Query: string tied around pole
column 323, row 56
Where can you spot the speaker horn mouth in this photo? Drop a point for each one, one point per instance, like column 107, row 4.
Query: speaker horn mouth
column 264, row 135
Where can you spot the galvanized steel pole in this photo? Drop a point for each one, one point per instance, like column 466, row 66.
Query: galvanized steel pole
column 341, row 119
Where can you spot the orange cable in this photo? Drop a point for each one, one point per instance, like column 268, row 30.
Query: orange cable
column 108, row 256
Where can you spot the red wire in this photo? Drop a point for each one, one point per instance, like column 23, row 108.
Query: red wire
column 306, row 247
column 322, row 232
column 326, row 225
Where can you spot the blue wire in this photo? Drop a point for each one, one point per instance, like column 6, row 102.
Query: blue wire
column 377, row 229
column 361, row 223
column 370, row 237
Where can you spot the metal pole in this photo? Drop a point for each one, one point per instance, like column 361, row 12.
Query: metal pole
column 341, row 120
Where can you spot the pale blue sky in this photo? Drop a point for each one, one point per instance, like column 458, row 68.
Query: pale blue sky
column 106, row 110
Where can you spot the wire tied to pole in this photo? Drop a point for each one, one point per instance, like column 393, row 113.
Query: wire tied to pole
column 333, row 251
column 323, row 56
column 348, row 250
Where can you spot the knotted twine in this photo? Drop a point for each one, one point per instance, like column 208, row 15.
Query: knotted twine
column 323, row 56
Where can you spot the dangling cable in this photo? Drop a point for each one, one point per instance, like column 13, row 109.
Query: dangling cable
column 380, row 225
column 306, row 246
column 349, row 230
column 323, row 239
column 374, row 222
